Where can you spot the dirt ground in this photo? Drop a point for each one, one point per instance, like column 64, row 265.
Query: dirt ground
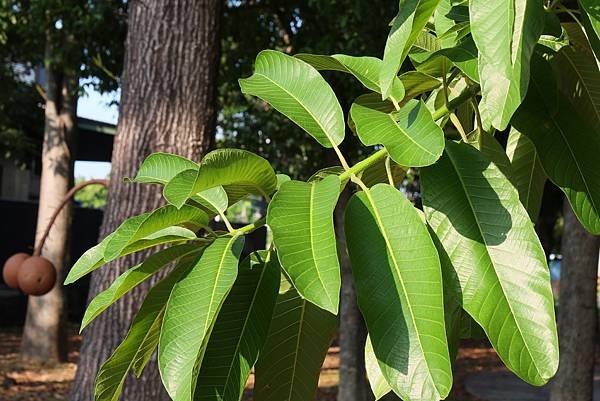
column 23, row 381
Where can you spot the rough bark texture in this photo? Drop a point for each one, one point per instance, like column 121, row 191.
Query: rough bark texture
column 353, row 385
column 577, row 316
column 44, row 331
column 167, row 105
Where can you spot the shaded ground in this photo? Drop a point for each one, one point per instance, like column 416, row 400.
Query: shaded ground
column 22, row 381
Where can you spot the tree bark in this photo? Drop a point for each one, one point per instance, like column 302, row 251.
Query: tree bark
column 167, row 105
column 44, row 336
column 577, row 315
column 353, row 385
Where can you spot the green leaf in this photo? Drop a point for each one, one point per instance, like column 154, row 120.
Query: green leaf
column 590, row 15
column 379, row 386
column 463, row 55
column 190, row 315
column 160, row 168
column 240, row 330
column 505, row 32
column 365, row 69
column 213, row 199
column 487, row 144
column 377, row 173
column 398, row 282
column 567, row 144
column 139, row 227
column 406, row 27
column 527, row 173
column 299, row 336
column 281, row 178
column 490, row 240
column 416, row 83
column 136, row 344
column 301, row 218
column 135, row 276
column 410, row 135
column 444, row 24
column 297, row 90
column 579, row 75
column 93, row 258
column 238, row 171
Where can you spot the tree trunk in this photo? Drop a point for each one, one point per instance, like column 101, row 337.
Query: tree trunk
column 167, row 105
column 353, row 385
column 577, row 316
column 44, row 336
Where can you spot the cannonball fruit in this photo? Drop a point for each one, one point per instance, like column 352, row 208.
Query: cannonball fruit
column 36, row 276
column 11, row 269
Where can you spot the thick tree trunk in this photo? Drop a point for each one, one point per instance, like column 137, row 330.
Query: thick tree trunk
column 168, row 105
column 577, row 315
column 44, row 336
column 353, row 385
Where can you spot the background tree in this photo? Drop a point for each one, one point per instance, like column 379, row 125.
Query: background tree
column 167, row 105
column 75, row 45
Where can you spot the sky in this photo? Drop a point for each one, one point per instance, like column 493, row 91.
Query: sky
column 96, row 106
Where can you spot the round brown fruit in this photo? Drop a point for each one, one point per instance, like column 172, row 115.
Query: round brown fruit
column 36, row 276
column 11, row 269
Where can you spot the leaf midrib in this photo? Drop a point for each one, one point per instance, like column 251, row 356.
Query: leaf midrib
column 405, row 296
column 300, row 327
column 464, row 188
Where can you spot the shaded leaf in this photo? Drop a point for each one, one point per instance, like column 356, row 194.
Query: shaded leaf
column 398, row 282
column 299, row 336
column 590, row 15
column 567, row 144
column 240, row 330
column 527, row 173
column 498, row 259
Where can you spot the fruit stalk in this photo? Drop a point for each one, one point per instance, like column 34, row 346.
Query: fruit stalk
column 37, row 251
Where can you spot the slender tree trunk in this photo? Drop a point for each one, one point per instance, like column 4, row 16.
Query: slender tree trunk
column 353, row 384
column 44, row 332
column 168, row 105
column 577, row 315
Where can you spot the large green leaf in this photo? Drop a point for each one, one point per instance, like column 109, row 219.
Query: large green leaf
column 505, row 32
column 365, row 69
column 160, row 168
column 590, row 15
column 301, row 218
column 289, row 366
column 135, row 276
column 297, row 90
column 410, row 135
column 498, row 260
column 406, row 27
column 527, row 173
column 139, row 227
column 93, row 258
column 566, row 142
column 398, row 282
column 238, row 171
column 579, row 76
column 379, row 386
column 240, row 330
column 191, row 313
column 143, row 332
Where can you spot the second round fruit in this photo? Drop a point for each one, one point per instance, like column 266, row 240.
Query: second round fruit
column 36, row 276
